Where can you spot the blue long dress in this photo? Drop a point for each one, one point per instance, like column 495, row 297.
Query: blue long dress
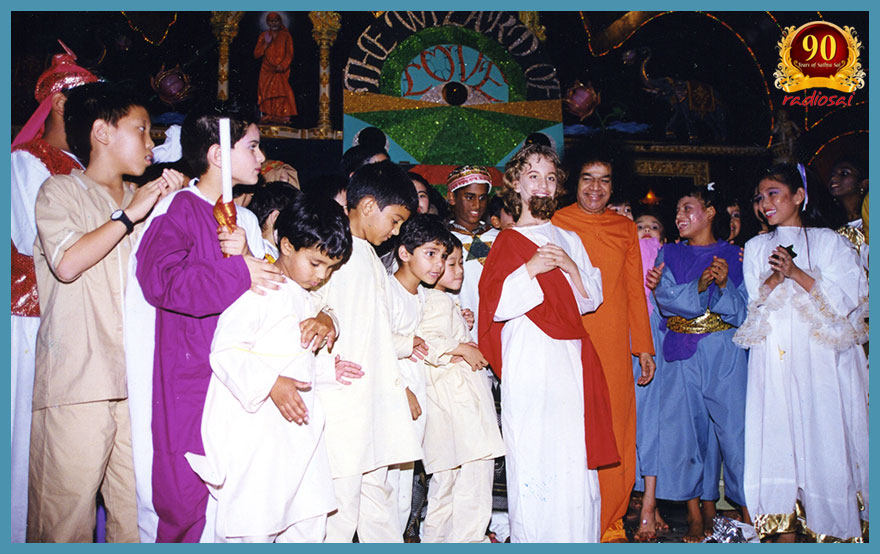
column 648, row 405
column 704, row 379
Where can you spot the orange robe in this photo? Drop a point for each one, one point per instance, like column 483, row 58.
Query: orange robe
column 273, row 92
column 622, row 320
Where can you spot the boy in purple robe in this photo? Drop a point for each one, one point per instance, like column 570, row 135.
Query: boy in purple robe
column 182, row 272
column 187, row 281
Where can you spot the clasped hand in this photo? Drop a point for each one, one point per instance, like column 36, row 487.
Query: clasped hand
column 717, row 272
column 549, row 257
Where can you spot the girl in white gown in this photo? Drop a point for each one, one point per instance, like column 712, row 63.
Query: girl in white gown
column 806, row 454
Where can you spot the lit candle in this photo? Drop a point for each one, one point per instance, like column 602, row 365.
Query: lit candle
column 225, row 160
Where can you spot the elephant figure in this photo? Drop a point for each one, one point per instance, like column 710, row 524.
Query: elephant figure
column 690, row 101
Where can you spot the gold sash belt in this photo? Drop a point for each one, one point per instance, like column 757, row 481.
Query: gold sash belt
column 709, row 322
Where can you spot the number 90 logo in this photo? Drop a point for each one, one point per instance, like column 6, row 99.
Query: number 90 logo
column 819, row 50
column 819, row 54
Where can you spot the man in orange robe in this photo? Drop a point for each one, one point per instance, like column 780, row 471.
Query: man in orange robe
column 619, row 329
column 274, row 94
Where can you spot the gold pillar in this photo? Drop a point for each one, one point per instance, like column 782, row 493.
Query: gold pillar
column 325, row 25
column 225, row 27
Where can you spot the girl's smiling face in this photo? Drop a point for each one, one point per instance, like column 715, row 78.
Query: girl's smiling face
column 692, row 217
column 778, row 205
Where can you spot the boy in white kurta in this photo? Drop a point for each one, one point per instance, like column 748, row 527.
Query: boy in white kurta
column 424, row 243
column 369, row 425
column 266, row 462
column 461, row 436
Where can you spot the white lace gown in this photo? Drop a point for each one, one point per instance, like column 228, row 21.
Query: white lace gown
column 806, row 452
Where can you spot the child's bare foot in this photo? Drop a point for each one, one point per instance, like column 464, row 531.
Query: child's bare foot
column 647, row 530
column 695, row 530
column 660, row 524
column 707, row 509
column 695, row 522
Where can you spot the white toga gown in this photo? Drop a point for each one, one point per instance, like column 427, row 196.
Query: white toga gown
column 552, row 496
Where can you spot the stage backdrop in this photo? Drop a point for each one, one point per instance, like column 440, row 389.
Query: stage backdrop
column 450, row 88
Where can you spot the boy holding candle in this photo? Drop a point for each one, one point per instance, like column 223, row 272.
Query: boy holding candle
column 80, row 432
column 188, row 270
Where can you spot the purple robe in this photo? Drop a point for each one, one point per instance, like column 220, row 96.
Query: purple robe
column 686, row 263
column 184, row 275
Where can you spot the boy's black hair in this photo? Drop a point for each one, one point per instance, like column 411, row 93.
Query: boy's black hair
column 712, row 198
column 272, row 196
column 372, row 136
column 358, row 156
column 538, row 138
column 315, row 221
column 240, row 189
column 90, row 102
column 494, row 207
column 201, row 130
column 421, row 229
column 384, row 181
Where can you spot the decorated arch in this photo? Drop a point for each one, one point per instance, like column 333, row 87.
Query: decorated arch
column 450, row 88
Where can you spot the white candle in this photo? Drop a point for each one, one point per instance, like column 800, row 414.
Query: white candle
column 225, row 160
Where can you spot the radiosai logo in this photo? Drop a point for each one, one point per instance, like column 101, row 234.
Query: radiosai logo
column 819, row 54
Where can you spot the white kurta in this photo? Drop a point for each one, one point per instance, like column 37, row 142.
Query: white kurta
column 406, row 311
column 461, row 421
column 462, row 437
column 266, row 473
column 807, row 397
column 368, row 423
column 552, row 496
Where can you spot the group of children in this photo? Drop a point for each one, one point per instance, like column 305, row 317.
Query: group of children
column 164, row 337
column 188, row 327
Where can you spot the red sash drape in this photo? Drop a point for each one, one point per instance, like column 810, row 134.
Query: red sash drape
column 559, row 319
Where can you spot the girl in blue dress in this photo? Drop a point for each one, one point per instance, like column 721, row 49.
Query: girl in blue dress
column 702, row 295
